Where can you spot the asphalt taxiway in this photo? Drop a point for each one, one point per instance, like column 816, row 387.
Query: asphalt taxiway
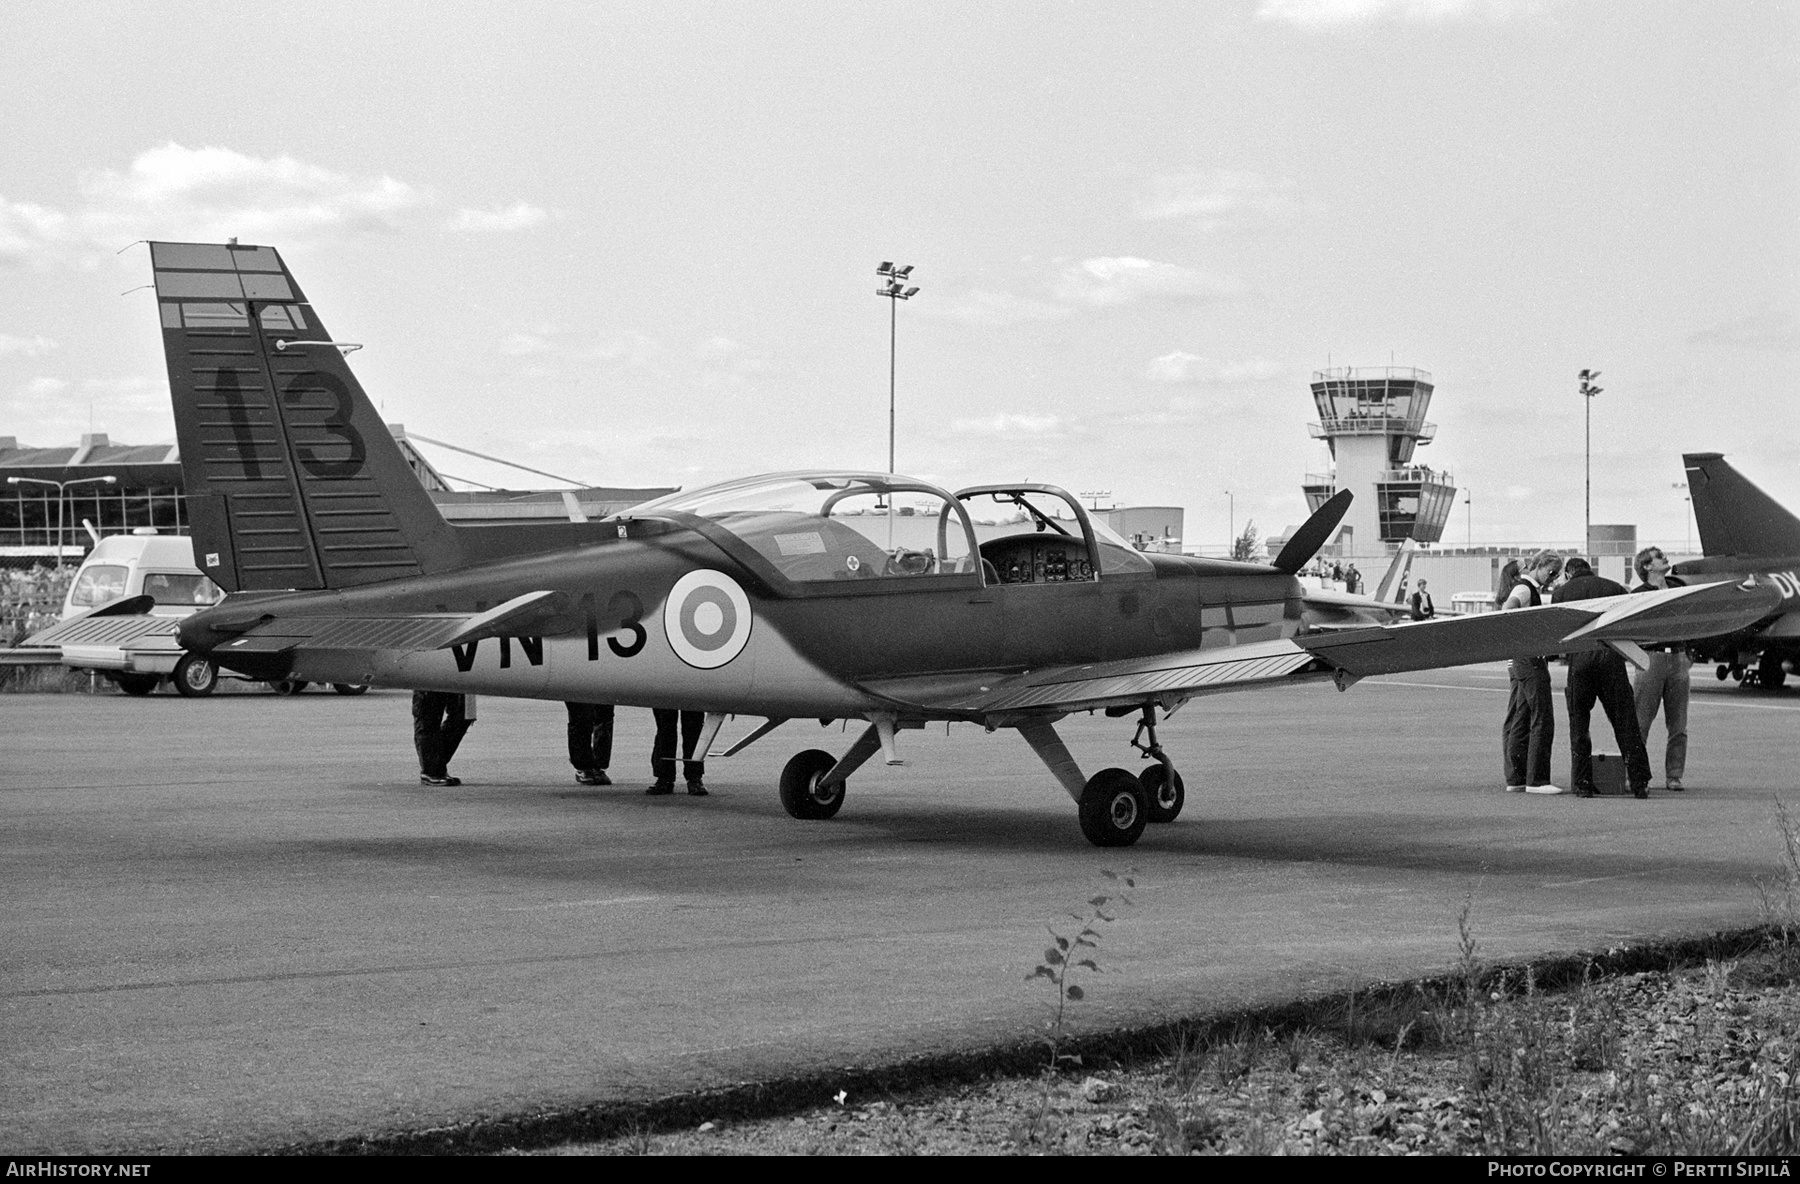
column 241, row 922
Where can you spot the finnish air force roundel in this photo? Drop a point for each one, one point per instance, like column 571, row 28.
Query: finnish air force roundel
column 707, row 619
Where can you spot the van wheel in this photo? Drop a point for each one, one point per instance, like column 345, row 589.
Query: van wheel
column 350, row 688
column 195, row 677
column 288, row 686
column 138, row 684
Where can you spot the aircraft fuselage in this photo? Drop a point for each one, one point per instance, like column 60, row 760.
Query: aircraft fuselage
column 809, row 655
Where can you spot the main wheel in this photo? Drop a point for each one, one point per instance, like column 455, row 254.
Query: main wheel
column 195, row 677
column 1113, row 809
column 801, row 794
column 288, row 686
column 1163, row 795
column 1769, row 671
column 138, row 684
column 350, row 688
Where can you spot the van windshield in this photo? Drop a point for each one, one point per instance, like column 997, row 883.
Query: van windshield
column 97, row 584
column 176, row 588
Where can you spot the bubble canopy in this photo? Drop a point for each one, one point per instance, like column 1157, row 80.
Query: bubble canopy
column 831, row 533
column 836, row 528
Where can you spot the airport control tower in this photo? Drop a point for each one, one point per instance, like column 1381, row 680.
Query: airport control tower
column 1372, row 417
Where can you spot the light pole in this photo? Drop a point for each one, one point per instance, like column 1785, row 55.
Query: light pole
column 1588, row 391
column 1231, row 524
column 1469, row 517
column 1687, row 516
column 895, row 290
column 60, row 487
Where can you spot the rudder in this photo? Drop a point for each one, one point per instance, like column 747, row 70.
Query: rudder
column 293, row 481
column 1734, row 517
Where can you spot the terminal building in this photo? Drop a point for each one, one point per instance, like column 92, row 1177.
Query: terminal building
column 55, row 501
column 1372, row 418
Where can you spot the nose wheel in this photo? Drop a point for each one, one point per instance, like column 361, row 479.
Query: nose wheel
column 1164, row 794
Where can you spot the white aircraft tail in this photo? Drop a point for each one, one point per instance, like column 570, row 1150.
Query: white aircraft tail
column 1396, row 572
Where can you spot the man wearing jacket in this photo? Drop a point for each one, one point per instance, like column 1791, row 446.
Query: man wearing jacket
column 1600, row 674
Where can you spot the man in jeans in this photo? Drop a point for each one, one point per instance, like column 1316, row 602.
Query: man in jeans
column 1665, row 682
column 1530, row 729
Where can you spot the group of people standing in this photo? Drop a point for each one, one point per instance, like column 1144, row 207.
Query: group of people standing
column 1595, row 676
column 441, row 720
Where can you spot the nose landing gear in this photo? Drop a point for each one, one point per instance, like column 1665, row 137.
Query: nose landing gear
column 1164, row 793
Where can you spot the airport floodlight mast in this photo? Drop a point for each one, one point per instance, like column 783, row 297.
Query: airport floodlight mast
column 1588, row 391
column 1096, row 495
column 1231, row 521
column 61, row 487
column 1469, row 516
column 1687, row 516
column 895, row 290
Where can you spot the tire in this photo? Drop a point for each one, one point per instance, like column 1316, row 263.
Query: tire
column 1769, row 672
column 195, row 677
column 350, row 688
column 1113, row 810
column 288, row 686
column 138, row 684
column 1162, row 799
column 801, row 796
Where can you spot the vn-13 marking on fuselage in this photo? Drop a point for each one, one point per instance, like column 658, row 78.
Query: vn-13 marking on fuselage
column 809, row 595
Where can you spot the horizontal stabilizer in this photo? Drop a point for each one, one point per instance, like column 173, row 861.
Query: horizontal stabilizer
column 104, row 629
column 534, row 614
column 125, row 606
column 1681, row 614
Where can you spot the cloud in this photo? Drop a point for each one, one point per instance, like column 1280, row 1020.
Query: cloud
column 1218, row 199
column 24, row 347
column 210, row 194
column 728, row 363
column 540, row 339
column 27, row 230
column 1008, row 424
column 1769, row 329
column 993, row 309
column 518, row 216
column 1181, row 368
column 1323, row 13
column 43, row 387
column 1107, row 281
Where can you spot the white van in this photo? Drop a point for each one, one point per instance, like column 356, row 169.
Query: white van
column 140, row 650
column 160, row 566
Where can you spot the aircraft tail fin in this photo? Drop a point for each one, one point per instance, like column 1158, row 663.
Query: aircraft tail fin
column 1396, row 572
column 1305, row 542
column 1734, row 517
column 293, row 481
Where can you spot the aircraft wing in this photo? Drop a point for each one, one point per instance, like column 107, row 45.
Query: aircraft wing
column 1644, row 618
column 1328, row 609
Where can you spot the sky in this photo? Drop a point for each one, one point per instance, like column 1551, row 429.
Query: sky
column 634, row 244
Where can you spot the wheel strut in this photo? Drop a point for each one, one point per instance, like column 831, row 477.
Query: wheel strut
column 1146, row 730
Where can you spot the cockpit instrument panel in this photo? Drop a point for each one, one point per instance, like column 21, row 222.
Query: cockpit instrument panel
column 1038, row 560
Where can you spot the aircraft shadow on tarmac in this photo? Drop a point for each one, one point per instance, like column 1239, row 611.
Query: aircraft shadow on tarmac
column 1532, row 847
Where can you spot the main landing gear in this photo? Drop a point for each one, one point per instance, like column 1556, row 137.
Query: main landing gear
column 1114, row 806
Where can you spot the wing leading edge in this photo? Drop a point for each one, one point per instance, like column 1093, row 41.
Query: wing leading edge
column 1646, row 618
